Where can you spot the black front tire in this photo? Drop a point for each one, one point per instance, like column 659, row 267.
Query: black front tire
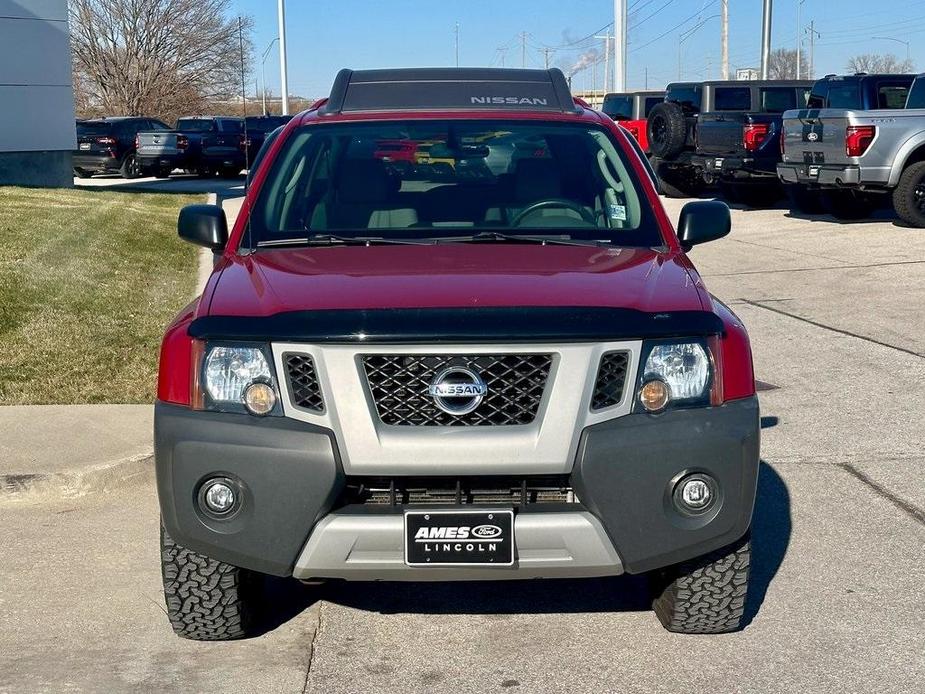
column 909, row 195
column 130, row 167
column 207, row 600
column 705, row 595
column 849, row 205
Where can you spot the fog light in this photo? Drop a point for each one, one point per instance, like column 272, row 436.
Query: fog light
column 654, row 395
column 218, row 496
column 695, row 493
column 259, row 398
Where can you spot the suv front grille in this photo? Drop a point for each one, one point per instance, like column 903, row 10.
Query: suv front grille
column 611, row 379
column 399, row 386
column 430, row 491
column 304, row 387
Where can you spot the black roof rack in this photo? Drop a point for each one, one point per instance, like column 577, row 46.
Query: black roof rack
column 450, row 88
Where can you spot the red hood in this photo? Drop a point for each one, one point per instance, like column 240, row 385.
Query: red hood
column 452, row 276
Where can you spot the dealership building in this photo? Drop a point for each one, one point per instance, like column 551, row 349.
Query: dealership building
column 37, row 133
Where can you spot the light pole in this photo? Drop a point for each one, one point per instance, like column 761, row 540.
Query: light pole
column 890, row 38
column 456, row 30
column 263, row 72
column 765, row 38
column 283, row 71
column 799, row 35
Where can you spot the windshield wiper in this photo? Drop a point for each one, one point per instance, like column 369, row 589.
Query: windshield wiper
column 557, row 239
column 337, row 240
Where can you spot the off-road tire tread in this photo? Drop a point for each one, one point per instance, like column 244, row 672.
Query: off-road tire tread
column 207, row 600
column 705, row 595
column 676, row 127
column 904, row 194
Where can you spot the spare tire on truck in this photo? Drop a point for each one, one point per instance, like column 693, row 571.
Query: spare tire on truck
column 667, row 130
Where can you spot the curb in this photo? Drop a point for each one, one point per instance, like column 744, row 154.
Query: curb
column 95, row 478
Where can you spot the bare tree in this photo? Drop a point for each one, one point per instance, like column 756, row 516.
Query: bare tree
column 782, row 65
column 156, row 57
column 882, row 64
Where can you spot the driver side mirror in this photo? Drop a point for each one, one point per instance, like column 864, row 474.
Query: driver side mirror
column 702, row 221
column 203, row 225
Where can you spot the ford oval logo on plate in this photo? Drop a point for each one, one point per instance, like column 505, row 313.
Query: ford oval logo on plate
column 486, row 532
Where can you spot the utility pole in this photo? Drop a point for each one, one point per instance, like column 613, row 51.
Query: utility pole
column 606, row 38
column 799, row 34
column 647, row 78
column 263, row 72
column 503, row 53
column 724, row 40
column 457, row 43
column 619, row 47
column 523, row 49
column 813, row 35
column 546, row 52
column 283, row 71
column 765, row 38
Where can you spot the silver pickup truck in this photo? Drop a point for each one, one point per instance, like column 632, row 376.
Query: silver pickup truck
column 858, row 157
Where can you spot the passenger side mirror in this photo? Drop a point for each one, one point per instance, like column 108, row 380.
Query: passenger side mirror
column 203, row 225
column 702, row 221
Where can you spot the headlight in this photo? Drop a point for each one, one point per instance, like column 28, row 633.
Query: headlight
column 229, row 371
column 684, row 367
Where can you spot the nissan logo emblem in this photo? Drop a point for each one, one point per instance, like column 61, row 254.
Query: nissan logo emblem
column 457, row 390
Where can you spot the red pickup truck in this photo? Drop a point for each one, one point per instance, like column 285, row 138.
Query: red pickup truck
column 631, row 110
column 500, row 372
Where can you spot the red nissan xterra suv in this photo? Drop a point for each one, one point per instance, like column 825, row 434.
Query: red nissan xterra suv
column 501, row 368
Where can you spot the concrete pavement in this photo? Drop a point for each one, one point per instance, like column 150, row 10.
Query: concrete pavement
column 839, row 537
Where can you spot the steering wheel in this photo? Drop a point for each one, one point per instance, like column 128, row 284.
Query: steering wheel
column 582, row 211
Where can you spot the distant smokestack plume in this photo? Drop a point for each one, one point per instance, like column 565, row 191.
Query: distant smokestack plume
column 585, row 60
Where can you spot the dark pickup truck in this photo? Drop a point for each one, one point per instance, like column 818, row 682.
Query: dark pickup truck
column 107, row 145
column 256, row 129
column 725, row 132
column 203, row 145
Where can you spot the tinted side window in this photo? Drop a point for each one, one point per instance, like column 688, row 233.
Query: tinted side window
column 843, row 96
column 651, row 102
column 917, row 95
column 732, row 99
column 778, row 99
column 817, row 95
column 892, row 96
column 687, row 97
column 157, row 125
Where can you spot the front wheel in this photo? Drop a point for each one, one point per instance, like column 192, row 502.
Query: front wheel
column 130, row 167
column 207, row 600
column 705, row 595
column 909, row 195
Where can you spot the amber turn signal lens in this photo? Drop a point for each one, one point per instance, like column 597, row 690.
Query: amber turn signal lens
column 259, row 398
column 654, row 395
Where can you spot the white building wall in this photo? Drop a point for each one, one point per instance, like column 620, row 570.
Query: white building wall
column 36, row 93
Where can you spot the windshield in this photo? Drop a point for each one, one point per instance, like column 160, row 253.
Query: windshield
column 618, row 107
column 195, row 125
column 439, row 179
column 93, row 128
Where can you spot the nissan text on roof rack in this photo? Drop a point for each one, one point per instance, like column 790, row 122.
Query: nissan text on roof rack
column 453, row 336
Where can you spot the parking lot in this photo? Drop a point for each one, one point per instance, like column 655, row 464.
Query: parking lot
column 836, row 320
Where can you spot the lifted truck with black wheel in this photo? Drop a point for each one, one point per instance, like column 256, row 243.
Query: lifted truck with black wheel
column 860, row 139
column 508, row 371
column 723, row 133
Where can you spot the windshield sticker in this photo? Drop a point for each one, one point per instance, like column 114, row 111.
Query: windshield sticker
column 618, row 213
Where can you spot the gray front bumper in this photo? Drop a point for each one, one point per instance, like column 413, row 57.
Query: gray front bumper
column 292, row 479
column 365, row 546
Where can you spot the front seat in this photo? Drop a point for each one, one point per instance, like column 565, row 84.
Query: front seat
column 534, row 180
column 363, row 199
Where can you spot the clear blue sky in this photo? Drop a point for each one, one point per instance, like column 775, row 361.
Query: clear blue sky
column 326, row 35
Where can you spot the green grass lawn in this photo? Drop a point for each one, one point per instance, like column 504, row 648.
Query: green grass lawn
column 88, row 282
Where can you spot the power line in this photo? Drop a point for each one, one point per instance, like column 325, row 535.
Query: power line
column 676, row 26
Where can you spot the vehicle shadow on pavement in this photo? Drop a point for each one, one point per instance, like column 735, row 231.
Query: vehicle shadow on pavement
column 771, row 527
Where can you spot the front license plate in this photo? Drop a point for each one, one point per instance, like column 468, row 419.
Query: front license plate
column 459, row 538
column 85, row 145
column 718, row 163
column 814, row 171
